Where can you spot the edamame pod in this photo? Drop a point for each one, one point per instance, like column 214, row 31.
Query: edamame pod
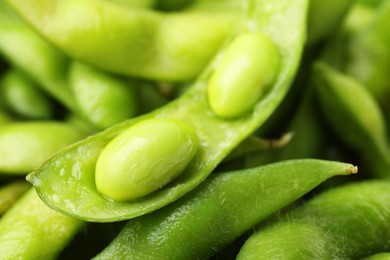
column 102, row 98
column 342, row 99
column 23, row 97
column 10, row 193
column 222, row 208
column 379, row 256
column 369, row 54
column 144, row 158
column 348, row 222
column 31, row 230
column 24, row 146
column 4, row 118
column 324, row 17
column 244, row 73
column 136, row 42
column 74, row 168
column 26, row 50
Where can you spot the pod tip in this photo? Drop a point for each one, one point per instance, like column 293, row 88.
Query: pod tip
column 353, row 169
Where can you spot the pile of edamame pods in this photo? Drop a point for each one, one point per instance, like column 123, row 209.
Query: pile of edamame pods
column 202, row 129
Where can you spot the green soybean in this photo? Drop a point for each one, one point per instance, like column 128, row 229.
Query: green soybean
column 102, row 98
column 73, row 170
column 144, row 158
column 348, row 222
column 222, row 208
column 244, row 73
column 31, row 230
column 24, row 146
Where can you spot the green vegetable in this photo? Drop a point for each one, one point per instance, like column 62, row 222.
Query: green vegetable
column 130, row 41
column 73, row 170
column 10, row 193
column 24, row 146
column 248, row 67
column 342, row 100
column 102, row 98
column 379, row 256
column 23, row 97
column 222, row 208
column 28, row 51
column 144, row 158
column 31, row 230
column 324, row 17
column 349, row 222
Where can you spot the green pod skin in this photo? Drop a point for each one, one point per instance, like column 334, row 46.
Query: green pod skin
column 102, row 98
column 10, row 193
column 348, row 222
column 217, row 137
column 242, row 75
column 137, row 3
column 24, row 146
column 342, row 99
column 144, row 158
column 131, row 41
column 23, row 97
column 222, row 208
column 31, row 230
column 369, row 54
column 379, row 256
column 4, row 118
column 29, row 52
column 325, row 17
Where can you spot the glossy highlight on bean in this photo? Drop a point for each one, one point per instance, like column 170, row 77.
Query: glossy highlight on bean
column 244, row 73
column 144, row 158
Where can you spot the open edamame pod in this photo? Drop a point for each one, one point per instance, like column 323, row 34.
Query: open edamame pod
column 342, row 100
column 348, row 222
column 73, row 170
column 222, row 208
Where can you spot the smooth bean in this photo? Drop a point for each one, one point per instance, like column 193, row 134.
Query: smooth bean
column 244, row 74
column 144, row 158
